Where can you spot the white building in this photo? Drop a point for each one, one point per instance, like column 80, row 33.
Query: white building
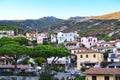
column 64, row 37
column 114, row 57
column 89, row 41
column 53, row 38
column 60, row 61
column 6, row 33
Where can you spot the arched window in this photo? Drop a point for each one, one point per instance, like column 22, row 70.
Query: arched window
column 81, row 56
column 86, row 55
column 94, row 56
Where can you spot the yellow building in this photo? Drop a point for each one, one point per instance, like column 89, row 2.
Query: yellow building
column 88, row 59
column 103, row 74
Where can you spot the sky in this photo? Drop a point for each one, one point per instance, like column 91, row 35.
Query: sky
column 35, row 9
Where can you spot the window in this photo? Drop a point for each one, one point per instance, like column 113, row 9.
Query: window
column 94, row 56
column 86, row 55
column 90, row 44
column 94, row 78
column 117, row 78
column 74, row 51
column 106, row 78
column 111, row 66
column 81, row 56
column 112, row 60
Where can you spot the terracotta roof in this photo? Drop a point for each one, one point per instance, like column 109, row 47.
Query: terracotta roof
column 81, row 48
column 87, row 51
column 107, row 71
column 104, row 47
column 70, row 43
column 114, row 42
column 6, row 58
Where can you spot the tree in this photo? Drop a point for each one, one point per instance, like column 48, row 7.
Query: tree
column 6, row 40
column 15, row 51
column 47, row 51
column 39, row 60
column 21, row 40
column 107, row 38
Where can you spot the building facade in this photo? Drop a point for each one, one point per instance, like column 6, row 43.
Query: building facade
column 65, row 37
column 88, row 42
column 103, row 74
column 6, row 33
column 88, row 59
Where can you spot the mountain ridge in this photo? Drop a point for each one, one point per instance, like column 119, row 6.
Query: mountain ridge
column 95, row 26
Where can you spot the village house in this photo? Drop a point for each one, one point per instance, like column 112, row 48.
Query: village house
column 41, row 37
column 115, row 55
column 64, row 61
column 103, row 74
column 88, row 59
column 6, row 60
column 6, row 33
column 105, row 46
column 74, row 51
column 31, row 36
column 72, row 45
column 64, row 37
column 88, row 42
column 53, row 38
column 113, row 65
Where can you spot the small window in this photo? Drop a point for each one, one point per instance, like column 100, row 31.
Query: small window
column 90, row 44
column 87, row 56
column 94, row 56
column 112, row 60
column 106, row 78
column 89, row 40
column 74, row 51
column 117, row 78
column 81, row 56
column 94, row 78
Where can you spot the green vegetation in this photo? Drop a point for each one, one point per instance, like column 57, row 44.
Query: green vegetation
column 107, row 38
column 15, row 51
column 47, row 51
column 79, row 78
column 6, row 40
column 39, row 60
column 6, row 73
column 26, row 74
column 8, row 27
column 21, row 40
column 83, row 32
column 46, row 76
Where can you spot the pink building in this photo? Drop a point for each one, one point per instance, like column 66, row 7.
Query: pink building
column 89, row 41
column 40, row 37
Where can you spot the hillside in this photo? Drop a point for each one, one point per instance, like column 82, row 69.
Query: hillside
column 100, row 26
column 115, row 15
column 41, row 24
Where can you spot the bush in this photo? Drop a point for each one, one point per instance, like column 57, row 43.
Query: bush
column 79, row 78
column 83, row 69
column 26, row 74
column 6, row 73
column 45, row 76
